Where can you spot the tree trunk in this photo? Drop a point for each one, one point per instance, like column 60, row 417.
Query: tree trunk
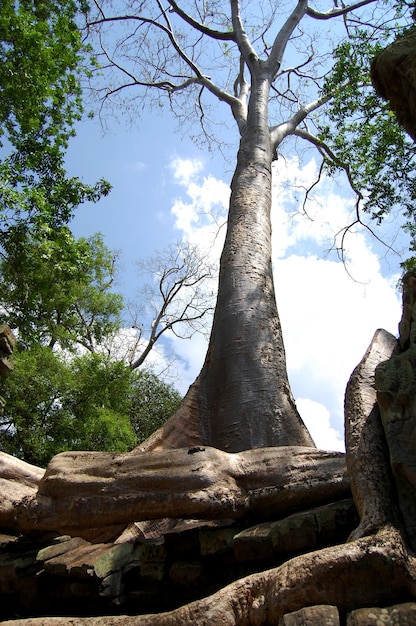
column 242, row 397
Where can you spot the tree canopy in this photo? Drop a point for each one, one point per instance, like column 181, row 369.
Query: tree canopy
column 77, row 307
column 88, row 402
column 317, row 61
column 42, row 59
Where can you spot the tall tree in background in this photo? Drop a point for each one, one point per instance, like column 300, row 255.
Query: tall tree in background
column 261, row 62
column 42, row 59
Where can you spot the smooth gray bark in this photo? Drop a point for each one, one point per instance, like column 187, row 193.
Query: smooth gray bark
column 242, row 397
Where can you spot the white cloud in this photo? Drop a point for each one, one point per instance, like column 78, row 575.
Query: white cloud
column 328, row 321
column 185, row 170
column 317, row 420
column 328, row 318
column 201, row 215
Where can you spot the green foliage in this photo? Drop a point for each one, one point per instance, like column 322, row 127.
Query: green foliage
column 88, row 402
column 42, row 57
column 53, row 405
column 100, row 402
column 40, row 51
column 363, row 133
column 56, row 289
column 152, row 403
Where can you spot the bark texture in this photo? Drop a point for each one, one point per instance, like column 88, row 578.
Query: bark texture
column 18, row 480
column 242, row 397
column 83, row 490
column 396, row 395
column 371, row 483
column 393, row 73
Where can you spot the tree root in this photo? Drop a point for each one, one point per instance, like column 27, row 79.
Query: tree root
column 83, row 490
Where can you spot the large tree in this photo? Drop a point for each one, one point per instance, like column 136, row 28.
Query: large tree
column 263, row 64
column 80, row 490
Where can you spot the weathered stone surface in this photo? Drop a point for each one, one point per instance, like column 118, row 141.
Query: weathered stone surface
column 335, row 521
column 254, row 543
column 320, row 615
column 60, row 547
column 216, row 541
column 266, row 597
column 186, row 573
column 395, row 381
column 151, row 557
column 393, row 74
column 112, row 586
column 398, row 615
column 89, row 560
column 297, row 533
column 13, row 566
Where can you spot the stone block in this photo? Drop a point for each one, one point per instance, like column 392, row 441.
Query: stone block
column 336, row 521
column 112, row 559
column 254, row 543
column 216, row 541
column 319, row 615
column 153, row 571
column 102, row 560
column 111, row 586
column 61, row 564
column 398, row 615
column 185, row 573
column 150, row 550
column 16, row 565
column 87, row 560
column 60, row 547
column 295, row 533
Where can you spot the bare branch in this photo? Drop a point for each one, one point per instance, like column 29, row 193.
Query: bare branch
column 336, row 11
column 180, row 299
column 274, row 61
column 290, row 126
column 243, row 42
column 329, row 155
column 215, row 34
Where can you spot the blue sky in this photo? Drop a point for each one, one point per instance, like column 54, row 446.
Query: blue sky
column 164, row 188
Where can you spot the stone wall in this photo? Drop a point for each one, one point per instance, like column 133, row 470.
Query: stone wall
column 71, row 576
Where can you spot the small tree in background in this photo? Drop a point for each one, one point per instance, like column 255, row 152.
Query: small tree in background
column 57, row 290
column 152, row 403
column 54, row 404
